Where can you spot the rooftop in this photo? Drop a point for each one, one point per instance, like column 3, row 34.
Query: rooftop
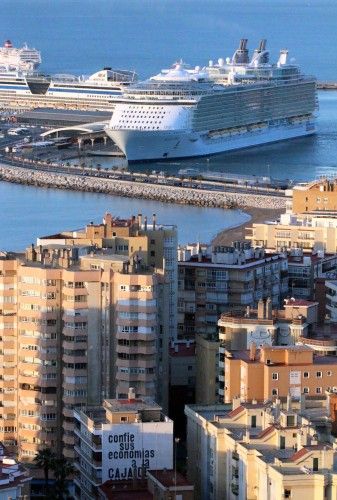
column 169, row 478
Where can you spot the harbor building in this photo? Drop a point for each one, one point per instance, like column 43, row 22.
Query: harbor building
column 275, row 371
column 83, row 317
column 213, row 281
column 262, row 450
column 120, row 440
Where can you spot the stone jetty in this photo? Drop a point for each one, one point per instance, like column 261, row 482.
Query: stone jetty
column 131, row 189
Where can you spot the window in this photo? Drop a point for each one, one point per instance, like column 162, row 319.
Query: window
column 318, row 390
column 329, row 373
column 305, row 390
column 282, row 442
column 274, row 392
column 315, row 464
column 287, row 493
column 274, row 376
column 319, row 374
column 305, row 374
column 124, row 419
column 253, row 421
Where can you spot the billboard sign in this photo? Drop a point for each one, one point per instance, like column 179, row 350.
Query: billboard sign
column 129, row 449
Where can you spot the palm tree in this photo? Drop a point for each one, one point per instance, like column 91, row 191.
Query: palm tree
column 45, row 460
column 62, row 469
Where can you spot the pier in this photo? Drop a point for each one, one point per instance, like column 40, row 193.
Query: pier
column 100, row 182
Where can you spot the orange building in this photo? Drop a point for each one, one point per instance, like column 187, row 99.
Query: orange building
column 315, row 196
column 276, row 371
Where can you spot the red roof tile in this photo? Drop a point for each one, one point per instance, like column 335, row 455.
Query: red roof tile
column 235, row 412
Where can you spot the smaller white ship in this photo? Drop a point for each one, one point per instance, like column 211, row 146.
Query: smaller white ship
column 18, row 59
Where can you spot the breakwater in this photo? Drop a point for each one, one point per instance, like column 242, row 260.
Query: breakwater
column 131, row 189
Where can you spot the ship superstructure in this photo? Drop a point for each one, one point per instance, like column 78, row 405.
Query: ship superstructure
column 232, row 104
column 28, row 90
column 18, row 59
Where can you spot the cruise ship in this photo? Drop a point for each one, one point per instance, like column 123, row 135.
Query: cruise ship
column 18, row 59
column 27, row 90
column 232, row 104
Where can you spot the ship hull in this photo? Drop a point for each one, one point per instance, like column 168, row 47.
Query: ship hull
column 141, row 146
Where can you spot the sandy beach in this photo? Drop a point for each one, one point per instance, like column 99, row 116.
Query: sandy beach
column 227, row 236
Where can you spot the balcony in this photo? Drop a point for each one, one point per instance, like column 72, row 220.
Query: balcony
column 136, row 377
column 136, row 363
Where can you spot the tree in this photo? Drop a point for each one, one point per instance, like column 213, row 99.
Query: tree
column 45, row 460
column 62, row 469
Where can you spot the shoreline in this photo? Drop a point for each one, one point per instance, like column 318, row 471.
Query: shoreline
column 236, row 233
column 132, row 189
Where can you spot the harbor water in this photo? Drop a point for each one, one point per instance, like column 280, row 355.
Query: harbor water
column 82, row 36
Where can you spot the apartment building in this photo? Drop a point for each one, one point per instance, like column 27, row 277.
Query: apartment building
column 221, row 278
column 276, row 371
column 83, row 316
column 267, row 326
column 182, row 382
column 120, row 440
column 207, row 369
column 262, row 451
column 14, row 478
column 309, row 222
column 158, row 485
column 304, row 268
column 315, row 196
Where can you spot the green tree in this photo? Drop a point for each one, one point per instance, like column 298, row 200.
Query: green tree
column 45, row 460
column 62, row 469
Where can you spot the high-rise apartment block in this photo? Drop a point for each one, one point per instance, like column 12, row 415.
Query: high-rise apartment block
column 84, row 315
column 215, row 281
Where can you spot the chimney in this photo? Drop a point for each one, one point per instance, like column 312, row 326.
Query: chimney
column 288, row 402
column 131, row 394
column 236, row 402
column 154, row 220
column 139, row 221
column 302, row 402
column 252, row 351
column 269, row 309
column 261, row 309
column 107, row 219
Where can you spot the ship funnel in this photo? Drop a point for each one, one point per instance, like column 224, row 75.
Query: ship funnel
column 262, row 45
column 241, row 54
column 283, row 59
column 261, row 55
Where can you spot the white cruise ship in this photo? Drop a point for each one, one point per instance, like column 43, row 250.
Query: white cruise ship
column 18, row 59
column 29, row 90
column 233, row 104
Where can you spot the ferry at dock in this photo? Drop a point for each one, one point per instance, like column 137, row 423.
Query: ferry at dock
column 27, row 90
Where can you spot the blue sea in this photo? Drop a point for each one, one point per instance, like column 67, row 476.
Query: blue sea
column 82, row 36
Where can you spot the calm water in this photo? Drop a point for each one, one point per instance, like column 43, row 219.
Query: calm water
column 29, row 212
column 81, row 36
